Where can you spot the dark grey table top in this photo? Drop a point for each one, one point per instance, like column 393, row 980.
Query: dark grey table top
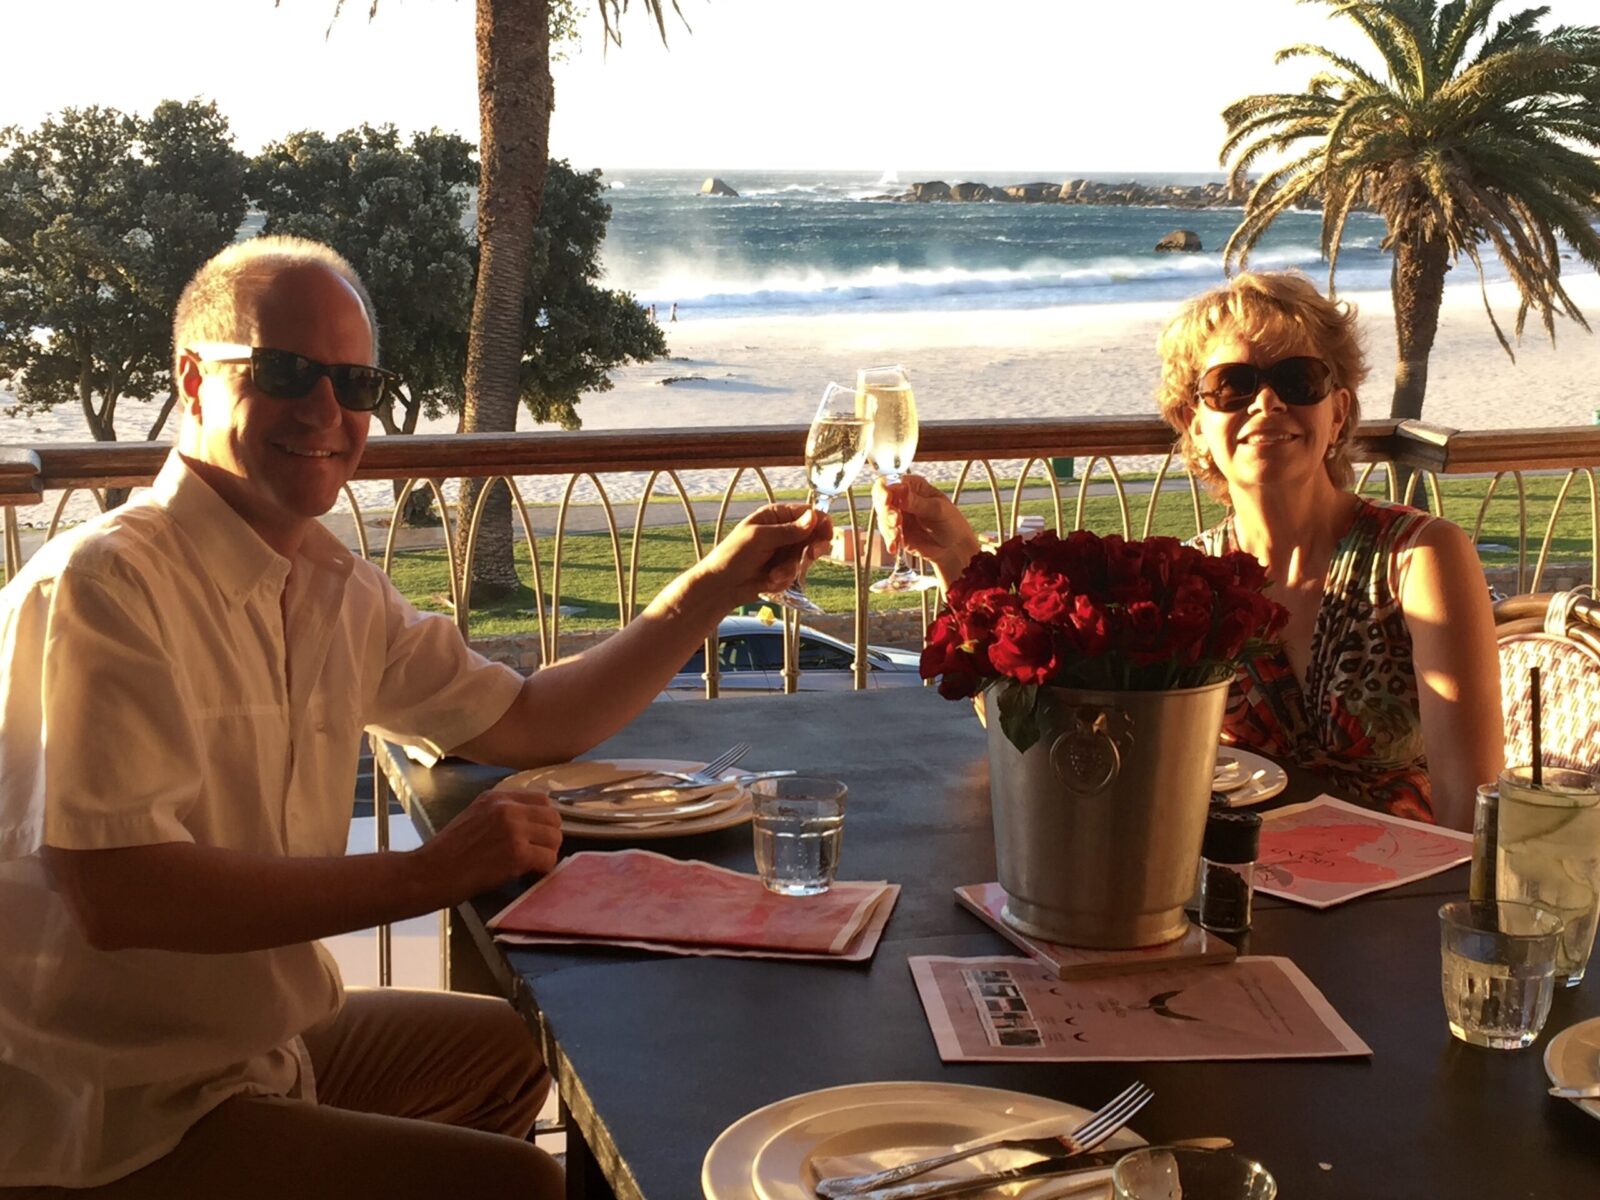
column 656, row 1056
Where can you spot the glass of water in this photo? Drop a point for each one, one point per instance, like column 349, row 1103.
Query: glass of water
column 1164, row 1172
column 1498, row 963
column 799, row 824
column 1548, row 854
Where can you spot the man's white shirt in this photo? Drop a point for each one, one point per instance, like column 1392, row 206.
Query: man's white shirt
column 165, row 676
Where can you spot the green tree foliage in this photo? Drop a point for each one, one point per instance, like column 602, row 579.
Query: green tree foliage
column 103, row 218
column 396, row 210
column 1471, row 131
column 575, row 330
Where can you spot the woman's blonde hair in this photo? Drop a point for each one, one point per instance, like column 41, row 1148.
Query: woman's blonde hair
column 1281, row 313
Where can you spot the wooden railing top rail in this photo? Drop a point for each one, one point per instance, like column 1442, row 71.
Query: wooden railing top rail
column 26, row 472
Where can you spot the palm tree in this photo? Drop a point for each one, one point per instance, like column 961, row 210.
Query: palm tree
column 515, row 96
column 1472, row 134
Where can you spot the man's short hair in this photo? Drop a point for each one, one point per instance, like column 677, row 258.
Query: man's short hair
column 208, row 309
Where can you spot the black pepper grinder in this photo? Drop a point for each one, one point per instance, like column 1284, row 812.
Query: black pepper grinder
column 1227, row 867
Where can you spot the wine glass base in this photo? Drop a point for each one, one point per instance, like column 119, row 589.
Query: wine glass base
column 797, row 600
column 904, row 581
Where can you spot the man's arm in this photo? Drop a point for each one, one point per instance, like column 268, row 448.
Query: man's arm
column 572, row 705
column 207, row 900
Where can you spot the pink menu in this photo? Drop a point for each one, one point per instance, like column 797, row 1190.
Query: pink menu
column 636, row 895
column 1326, row 851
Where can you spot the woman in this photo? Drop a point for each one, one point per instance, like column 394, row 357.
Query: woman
column 1387, row 680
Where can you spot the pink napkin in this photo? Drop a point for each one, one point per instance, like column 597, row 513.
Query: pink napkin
column 636, row 895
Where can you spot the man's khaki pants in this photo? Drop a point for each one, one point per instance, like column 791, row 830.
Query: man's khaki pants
column 419, row 1094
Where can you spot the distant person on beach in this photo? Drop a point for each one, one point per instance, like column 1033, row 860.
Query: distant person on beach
column 1387, row 681
column 673, row 316
column 653, row 314
column 185, row 684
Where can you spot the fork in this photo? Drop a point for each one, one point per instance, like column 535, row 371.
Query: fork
column 1099, row 1125
column 707, row 775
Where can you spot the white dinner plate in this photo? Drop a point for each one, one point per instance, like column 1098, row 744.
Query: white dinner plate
column 768, row 1154
column 1572, row 1059
column 587, row 772
column 1251, row 780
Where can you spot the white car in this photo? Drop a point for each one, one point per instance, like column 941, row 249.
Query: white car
column 750, row 659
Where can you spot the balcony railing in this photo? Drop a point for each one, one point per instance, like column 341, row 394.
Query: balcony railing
column 1023, row 449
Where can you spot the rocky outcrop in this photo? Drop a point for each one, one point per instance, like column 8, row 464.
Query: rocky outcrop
column 715, row 187
column 1215, row 194
column 1180, row 239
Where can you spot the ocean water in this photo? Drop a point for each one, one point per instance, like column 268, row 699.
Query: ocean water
column 796, row 242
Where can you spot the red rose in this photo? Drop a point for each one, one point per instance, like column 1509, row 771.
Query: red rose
column 1232, row 632
column 1012, row 557
column 1160, row 556
column 1023, row 649
column 1247, row 570
column 1090, row 627
column 1081, row 556
column 1143, row 633
column 982, row 572
column 1187, row 627
column 959, row 672
column 1046, row 593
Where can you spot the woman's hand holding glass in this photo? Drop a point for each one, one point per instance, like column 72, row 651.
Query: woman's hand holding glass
column 917, row 516
column 836, row 448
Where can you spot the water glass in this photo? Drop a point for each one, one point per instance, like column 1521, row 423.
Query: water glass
column 1497, row 971
column 1548, row 854
column 799, row 826
column 1168, row 1172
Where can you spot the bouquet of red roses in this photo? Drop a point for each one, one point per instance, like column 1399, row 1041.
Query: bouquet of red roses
column 1086, row 611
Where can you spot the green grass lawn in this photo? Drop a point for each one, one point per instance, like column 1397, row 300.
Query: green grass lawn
column 589, row 579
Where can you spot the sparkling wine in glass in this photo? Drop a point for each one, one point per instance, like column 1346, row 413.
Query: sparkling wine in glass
column 884, row 394
column 836, row 449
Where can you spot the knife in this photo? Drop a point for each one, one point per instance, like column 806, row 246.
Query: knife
column 608, row 792
column 1096, row 1162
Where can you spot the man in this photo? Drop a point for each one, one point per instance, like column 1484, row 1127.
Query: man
column 184, row 687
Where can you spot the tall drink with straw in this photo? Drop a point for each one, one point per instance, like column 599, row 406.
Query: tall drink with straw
column 1549, row 849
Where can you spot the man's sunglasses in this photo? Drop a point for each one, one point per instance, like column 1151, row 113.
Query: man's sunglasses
column 1231, row 387
column 285, row 375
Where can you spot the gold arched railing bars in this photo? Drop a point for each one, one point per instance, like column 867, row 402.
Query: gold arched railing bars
column 1016, row 495
column 361, row 530
column 560, row 541
column 1156, row 487
column 994, row 490
column 547, row 642
column 61, row 507
column 1522, row 522
column 13, row 544
column 1433, row 489
column 456, row 604
column 638, row 533
column 1550, row 528
column 1116, row 482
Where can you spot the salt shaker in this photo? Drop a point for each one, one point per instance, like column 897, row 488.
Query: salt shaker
column 1227, row 865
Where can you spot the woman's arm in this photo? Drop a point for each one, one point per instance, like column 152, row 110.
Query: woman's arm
column 1446, row 605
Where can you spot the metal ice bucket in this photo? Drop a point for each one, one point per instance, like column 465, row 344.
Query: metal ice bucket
column 1097, row 831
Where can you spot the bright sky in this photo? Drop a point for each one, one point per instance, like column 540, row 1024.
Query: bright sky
column 1063, row 85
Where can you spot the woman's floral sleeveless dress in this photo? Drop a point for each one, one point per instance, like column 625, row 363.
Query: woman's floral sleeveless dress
column 1357, row 720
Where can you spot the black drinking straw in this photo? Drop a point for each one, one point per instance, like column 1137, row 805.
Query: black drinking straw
column 1538, row 757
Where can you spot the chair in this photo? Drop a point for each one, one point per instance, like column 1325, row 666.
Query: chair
column 1560, row 634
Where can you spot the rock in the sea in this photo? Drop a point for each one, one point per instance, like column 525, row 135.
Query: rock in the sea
column 1033, row 192
column 972, row 191
column 1180, row 239
column 715, row 187
column 936, row 189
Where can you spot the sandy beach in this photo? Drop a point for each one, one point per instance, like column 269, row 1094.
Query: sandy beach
column 1063, row 361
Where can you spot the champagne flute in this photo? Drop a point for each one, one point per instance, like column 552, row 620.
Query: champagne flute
column 885, row 394
column 836, row 449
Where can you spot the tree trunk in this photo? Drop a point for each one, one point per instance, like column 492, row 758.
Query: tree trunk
column 514, row 100
column 1417, row 286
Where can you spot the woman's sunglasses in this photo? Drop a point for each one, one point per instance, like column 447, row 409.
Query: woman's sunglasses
column 1231, row 387
column 285, row 375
